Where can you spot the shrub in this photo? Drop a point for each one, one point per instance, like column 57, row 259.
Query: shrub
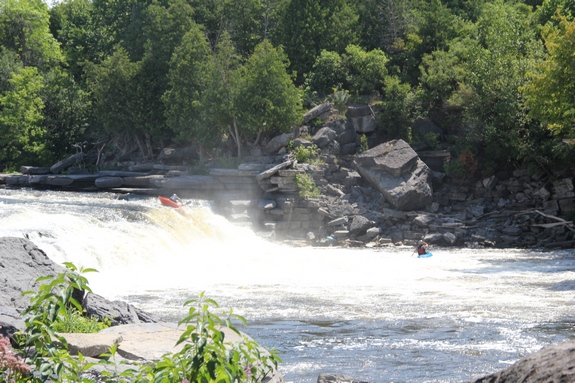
column 205, row 357
column 306, row 186
column 305, row 154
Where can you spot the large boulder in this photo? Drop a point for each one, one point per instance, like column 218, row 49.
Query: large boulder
column 550, row 364
column 397, row 172
column 22, row 263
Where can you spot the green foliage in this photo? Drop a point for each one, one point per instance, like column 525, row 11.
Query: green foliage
column 493, row 117
column 52, row 303
column 550, row 94
column 305, row 28
column 366, row 71
column 21, row 131
column 306, row 186
column 114, row 89
column 74, row 321
column 267, row 100
column 66, row 113
column 340, row 98
column 305, row 154
column 399, row 109
column 328, row 72
column 454, row 169
column 363, row 144
column 24, row 29
column 189, row 71
column 72, row 24
column 206, row 355
column 359, row 71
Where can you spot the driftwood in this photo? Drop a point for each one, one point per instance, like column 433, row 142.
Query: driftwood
column 560, row 222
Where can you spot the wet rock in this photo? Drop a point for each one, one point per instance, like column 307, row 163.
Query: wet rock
column 551, row 364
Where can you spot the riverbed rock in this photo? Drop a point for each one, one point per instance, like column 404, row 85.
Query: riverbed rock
column 396, row 171
column 553, row 364
column 22, row 263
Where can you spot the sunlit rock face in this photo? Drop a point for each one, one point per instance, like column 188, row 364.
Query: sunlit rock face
column 397, row 172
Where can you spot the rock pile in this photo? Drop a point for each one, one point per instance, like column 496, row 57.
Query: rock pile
column 389, row 194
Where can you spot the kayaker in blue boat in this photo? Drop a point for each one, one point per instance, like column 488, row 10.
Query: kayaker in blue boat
column 421, row 249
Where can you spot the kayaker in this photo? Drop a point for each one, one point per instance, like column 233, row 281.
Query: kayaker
column 421, row 248
column 177, row 199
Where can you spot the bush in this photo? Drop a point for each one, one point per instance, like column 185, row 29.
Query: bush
column 306, row 186
column 305, row 154
column 206, row 356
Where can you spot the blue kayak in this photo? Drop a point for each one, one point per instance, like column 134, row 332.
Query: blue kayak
column 425, row 255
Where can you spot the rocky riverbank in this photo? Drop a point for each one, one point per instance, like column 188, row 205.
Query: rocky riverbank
column 391, row 194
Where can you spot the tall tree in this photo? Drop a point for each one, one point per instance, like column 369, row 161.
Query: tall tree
column 189, row 75
column 114, row 94
column 72, row 24
column 551, row 91
column 307, row 27
column 66, row 113
column 21, row 131
column 24, row 29
column 495, row 63
column 267, row 100
column 165, row 27
column 121, row 22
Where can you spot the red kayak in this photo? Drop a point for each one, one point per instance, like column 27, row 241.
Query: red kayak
column 168, row 202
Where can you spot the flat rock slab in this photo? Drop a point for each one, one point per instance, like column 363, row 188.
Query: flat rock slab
column 149, row 341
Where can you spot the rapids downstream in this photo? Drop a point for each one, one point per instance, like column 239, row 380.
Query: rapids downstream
column 377, row 315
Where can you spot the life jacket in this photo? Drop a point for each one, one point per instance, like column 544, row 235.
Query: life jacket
column 421, row 249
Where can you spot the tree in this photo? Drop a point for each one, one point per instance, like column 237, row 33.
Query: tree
column 383, row 23
column 190, row 71
column 72, row 24
column 551, row 91
column 328, row 73
column 113, row 90
column 121, row 22
column 66, row 113
column 357, row 71
column 366, row 71
column 9, row 63
column 495, row 61
column 306, row 27
column 399, row 109
column 24, row 29
column 165, row 27
column 267, row 99
column 21, row 131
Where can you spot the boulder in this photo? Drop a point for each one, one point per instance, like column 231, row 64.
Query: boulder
column 336, row 378
column 278, row 142
column 362, row 118
column 317, row 111
column 550, row 364
column 22, row 263
column 397, row 172
column 324, row 137
column 359, row 225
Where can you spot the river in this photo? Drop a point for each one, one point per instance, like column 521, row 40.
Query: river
column 377, row 315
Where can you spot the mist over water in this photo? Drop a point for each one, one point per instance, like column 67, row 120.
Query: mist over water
column 378, row 315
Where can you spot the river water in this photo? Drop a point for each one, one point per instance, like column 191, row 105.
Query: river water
column 377, row 315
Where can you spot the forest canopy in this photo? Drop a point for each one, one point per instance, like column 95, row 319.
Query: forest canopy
column 497, row 76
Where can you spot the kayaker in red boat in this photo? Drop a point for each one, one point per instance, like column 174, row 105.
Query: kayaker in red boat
column 176, row 199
